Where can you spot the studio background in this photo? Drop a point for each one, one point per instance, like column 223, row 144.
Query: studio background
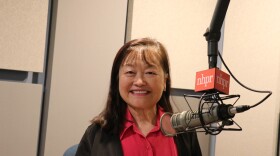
column 56, row 58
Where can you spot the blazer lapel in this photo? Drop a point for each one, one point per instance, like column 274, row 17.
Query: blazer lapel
column 106, row 145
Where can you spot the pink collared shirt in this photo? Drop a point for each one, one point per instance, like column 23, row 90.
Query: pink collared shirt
column 154, row 144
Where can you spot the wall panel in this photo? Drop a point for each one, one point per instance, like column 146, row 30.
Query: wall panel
column 87, row 36
column 23, row 34
column 20, row 106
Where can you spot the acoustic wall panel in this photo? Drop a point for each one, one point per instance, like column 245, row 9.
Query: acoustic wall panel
column 23, row 34
column 88, row 35
column 20, row 106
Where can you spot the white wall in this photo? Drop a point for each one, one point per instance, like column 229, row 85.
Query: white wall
column 180, row 26
column 87, row 36
column 251, row 50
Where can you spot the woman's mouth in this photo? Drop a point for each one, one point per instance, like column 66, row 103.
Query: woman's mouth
column 139, row 92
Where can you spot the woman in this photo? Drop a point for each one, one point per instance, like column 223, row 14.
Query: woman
column 138, row 96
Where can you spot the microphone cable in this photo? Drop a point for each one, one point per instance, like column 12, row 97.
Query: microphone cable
column 244, row 86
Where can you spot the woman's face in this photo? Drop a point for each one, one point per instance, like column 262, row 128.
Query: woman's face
column 140, row 84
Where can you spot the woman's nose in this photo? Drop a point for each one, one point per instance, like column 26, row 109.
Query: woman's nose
column 139, row 80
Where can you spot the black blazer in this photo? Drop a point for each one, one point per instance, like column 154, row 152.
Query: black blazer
column 96, row 142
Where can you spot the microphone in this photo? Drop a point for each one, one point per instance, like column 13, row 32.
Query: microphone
column 188, row 120
column 211, row 109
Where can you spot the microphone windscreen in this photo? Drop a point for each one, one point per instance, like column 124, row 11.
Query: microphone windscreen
column 166, row 126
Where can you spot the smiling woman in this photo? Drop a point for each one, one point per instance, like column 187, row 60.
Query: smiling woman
column 142, row 78
column 141, row 84
column 138, row 96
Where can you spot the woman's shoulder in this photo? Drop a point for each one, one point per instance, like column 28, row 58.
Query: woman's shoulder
column 92, row 128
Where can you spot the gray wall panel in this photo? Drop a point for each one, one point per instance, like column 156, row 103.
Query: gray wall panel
column 20, row 106
column 88, row 34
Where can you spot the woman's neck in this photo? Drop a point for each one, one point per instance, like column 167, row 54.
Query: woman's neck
column 145, row 119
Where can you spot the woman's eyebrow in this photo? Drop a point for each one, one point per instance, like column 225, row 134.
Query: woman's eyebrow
column 128, row 64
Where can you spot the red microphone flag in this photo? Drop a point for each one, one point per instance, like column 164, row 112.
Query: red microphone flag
column 212, row 79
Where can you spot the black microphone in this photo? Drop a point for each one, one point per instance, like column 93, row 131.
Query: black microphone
column 188, row 120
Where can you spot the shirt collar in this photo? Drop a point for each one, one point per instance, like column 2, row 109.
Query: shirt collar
column 129, row 121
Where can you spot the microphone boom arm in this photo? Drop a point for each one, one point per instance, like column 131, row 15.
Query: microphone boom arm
column 213, row 33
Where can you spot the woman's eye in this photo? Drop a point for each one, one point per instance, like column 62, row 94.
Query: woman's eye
column 129, row 73
column 151, row 73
